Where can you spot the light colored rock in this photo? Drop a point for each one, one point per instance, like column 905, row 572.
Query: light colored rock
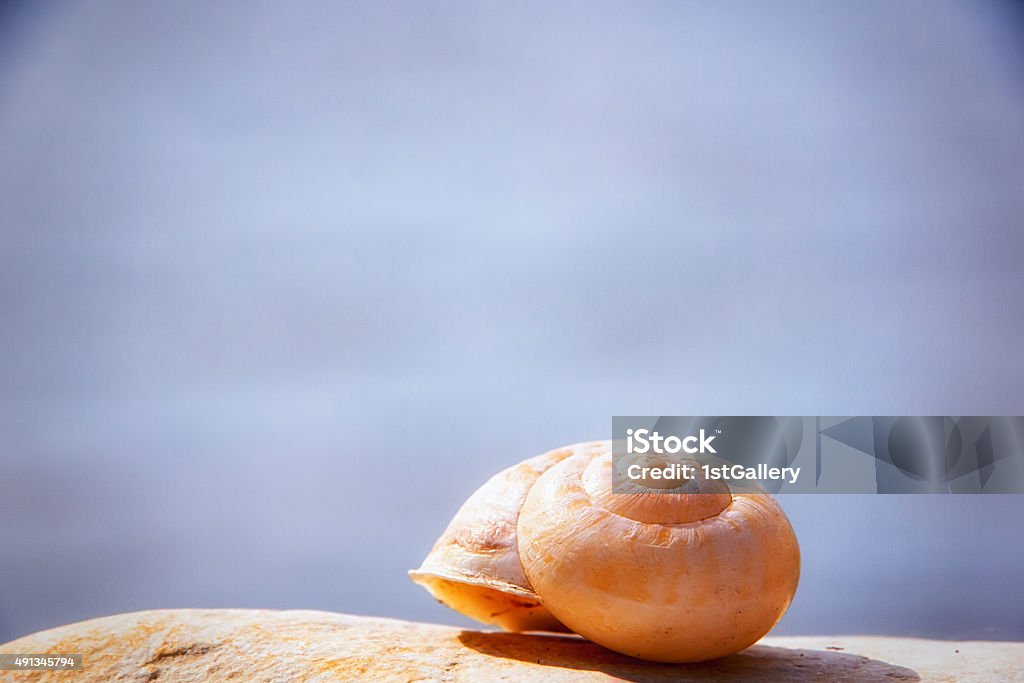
column 197, row 646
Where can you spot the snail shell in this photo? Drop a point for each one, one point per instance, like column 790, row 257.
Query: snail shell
column 676, row 575
column 474, row 567
column 669, row 572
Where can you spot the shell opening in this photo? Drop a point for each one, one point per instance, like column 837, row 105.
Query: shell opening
column 490, row 605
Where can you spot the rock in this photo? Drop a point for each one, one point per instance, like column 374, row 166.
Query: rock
column 261, row 645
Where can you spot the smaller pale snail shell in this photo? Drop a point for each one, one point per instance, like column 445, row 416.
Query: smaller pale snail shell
column 474, row 567
column 678, row 573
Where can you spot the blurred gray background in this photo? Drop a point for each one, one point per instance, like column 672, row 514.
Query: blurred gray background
column 280, row 285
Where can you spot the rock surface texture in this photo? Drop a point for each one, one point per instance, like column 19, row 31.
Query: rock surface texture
column 261, row 645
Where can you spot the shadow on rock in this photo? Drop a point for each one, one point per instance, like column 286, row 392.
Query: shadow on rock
column 759, row 663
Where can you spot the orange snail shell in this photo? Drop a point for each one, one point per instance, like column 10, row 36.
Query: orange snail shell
column 683, row 574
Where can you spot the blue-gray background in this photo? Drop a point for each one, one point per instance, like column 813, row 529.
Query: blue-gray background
column 280, row 285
